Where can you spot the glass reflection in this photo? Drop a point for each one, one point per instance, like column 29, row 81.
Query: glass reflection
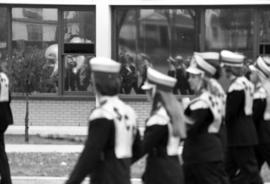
column 77, row 73
column 229, row 29
column 33, row 31
column 149, row 37
column 79, row 28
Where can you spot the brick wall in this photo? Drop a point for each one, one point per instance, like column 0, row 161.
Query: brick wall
column 65, row 112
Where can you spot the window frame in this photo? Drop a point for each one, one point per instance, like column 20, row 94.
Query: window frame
column 114, row 50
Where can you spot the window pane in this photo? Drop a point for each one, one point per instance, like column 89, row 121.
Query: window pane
column 77, row 73
column 264, row 32
column 149, row 37
column 229, row 29
column 4, row 33
column 33, row 31
column 79, row 38
column 81, row 25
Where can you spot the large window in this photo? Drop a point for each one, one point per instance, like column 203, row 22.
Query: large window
column 79, row 47
column 264, row 32
column 149, row 37
column 4, row 33
column 230, row 29
column 49, row 48
column 33, row 30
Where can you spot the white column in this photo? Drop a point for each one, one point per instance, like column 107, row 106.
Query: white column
column 103, row 28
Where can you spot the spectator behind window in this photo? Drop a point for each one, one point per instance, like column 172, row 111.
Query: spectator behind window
column 129, row 75
column 177, row 69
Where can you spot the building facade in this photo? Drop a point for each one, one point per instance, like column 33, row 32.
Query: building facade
column 47, row 44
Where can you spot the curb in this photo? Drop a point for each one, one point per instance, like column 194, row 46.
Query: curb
column 57, row 180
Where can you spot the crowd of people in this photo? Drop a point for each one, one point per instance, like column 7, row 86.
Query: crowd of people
column 134, row 75
column 225, row 135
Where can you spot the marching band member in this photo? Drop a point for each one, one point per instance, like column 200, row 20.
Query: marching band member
column 216, row 89
column 6, row 119
column 112, row 130
column 203, row 154
column 164, row 128
column 241, row 164
column 260, row 74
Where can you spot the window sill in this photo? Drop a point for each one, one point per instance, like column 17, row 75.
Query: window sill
column 80, row 97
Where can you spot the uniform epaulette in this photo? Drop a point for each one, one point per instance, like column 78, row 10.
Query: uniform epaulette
column 100, row 113
column 260, row 93
column 159, row 118
column 236, row 86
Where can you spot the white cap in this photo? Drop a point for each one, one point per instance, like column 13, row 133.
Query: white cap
column 208, row 55
column 232, row 58
column 157, row 78
column 105, row 65
column 262, row 65
column 200, row 66
column 52, row 52
column 179, row 57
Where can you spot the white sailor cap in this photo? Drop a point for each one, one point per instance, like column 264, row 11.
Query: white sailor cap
column 179, row 57
column 213, row 56
column 155, row 77
column 232, row 58
column 262, row 65
column 200, row 66
column 104, row 65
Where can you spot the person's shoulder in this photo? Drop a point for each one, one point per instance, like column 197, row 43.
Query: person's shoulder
column 201, row 102
column 160, row 117
column 261, row 93
column 100, row 113
column 3, row 75
column 237, row 85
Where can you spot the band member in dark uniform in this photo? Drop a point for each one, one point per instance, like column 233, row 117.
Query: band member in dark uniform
column 216, row 88
column 112, row 130
column 241, row 163
column 164, row 128
column 260, row 74
column 6, row 119
column 203, row 154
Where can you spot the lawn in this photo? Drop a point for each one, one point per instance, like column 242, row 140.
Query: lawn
column 60, row 164
column 51, row 164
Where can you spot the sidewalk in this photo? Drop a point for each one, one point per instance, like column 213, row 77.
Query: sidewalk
column 51, row 130
column 48, row 130
column 43, row 148
column 52, row 180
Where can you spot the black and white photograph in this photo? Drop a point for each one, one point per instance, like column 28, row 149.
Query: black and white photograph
column 134, row 92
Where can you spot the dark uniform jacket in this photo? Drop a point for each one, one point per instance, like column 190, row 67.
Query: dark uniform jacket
column 182, row 85
column 162, row 164
column 202, row 143
column 108, row 149
column 260, row 117
column 6, row 117
column 240, row 127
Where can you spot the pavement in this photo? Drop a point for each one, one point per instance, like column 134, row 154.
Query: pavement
column 53, row 180
column 48, row 130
